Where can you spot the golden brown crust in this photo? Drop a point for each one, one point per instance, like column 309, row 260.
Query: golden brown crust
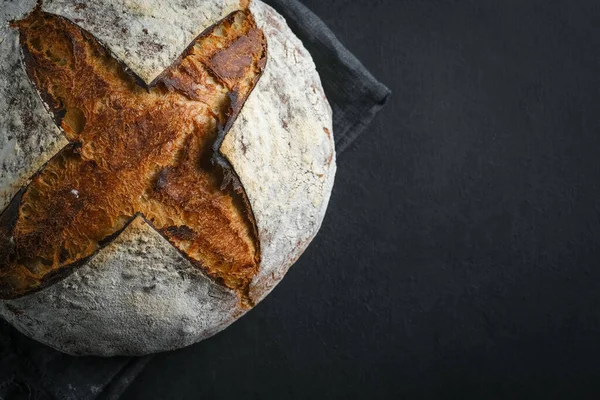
column 134, row 150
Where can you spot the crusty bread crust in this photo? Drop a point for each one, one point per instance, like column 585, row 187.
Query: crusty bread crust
column 146, row 35
column 138, row 294
column 28, row 134
column 288, row 173
column 134, row 149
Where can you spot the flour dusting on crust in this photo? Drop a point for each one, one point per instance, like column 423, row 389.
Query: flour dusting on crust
column 136, row 296
column 147, row 35
column 282, row 148
column 28, row 135
column 139, row 295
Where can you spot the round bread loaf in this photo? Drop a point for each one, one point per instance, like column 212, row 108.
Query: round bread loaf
column 162, row 165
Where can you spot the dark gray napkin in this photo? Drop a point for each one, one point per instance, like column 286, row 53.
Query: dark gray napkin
column 30, row 370
column 354, row 94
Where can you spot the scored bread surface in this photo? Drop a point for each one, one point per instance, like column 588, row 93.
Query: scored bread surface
column 288, row 173
column 134, row 150
column 28, row 135
column 139, row 294
column 148, row 35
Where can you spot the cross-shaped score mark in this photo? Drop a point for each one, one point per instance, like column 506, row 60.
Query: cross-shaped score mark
column 134, row 150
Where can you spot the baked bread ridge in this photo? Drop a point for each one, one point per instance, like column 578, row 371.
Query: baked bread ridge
column 147, row 35
column 133, row 298
column 28, row 135
column 288, row 101
column 134, row 150
column 137, row 296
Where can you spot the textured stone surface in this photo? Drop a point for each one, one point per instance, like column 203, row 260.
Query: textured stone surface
column 28, row 135
column 147, row 35
column 139, row 295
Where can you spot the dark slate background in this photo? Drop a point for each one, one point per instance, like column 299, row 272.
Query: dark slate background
column 460, row 256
